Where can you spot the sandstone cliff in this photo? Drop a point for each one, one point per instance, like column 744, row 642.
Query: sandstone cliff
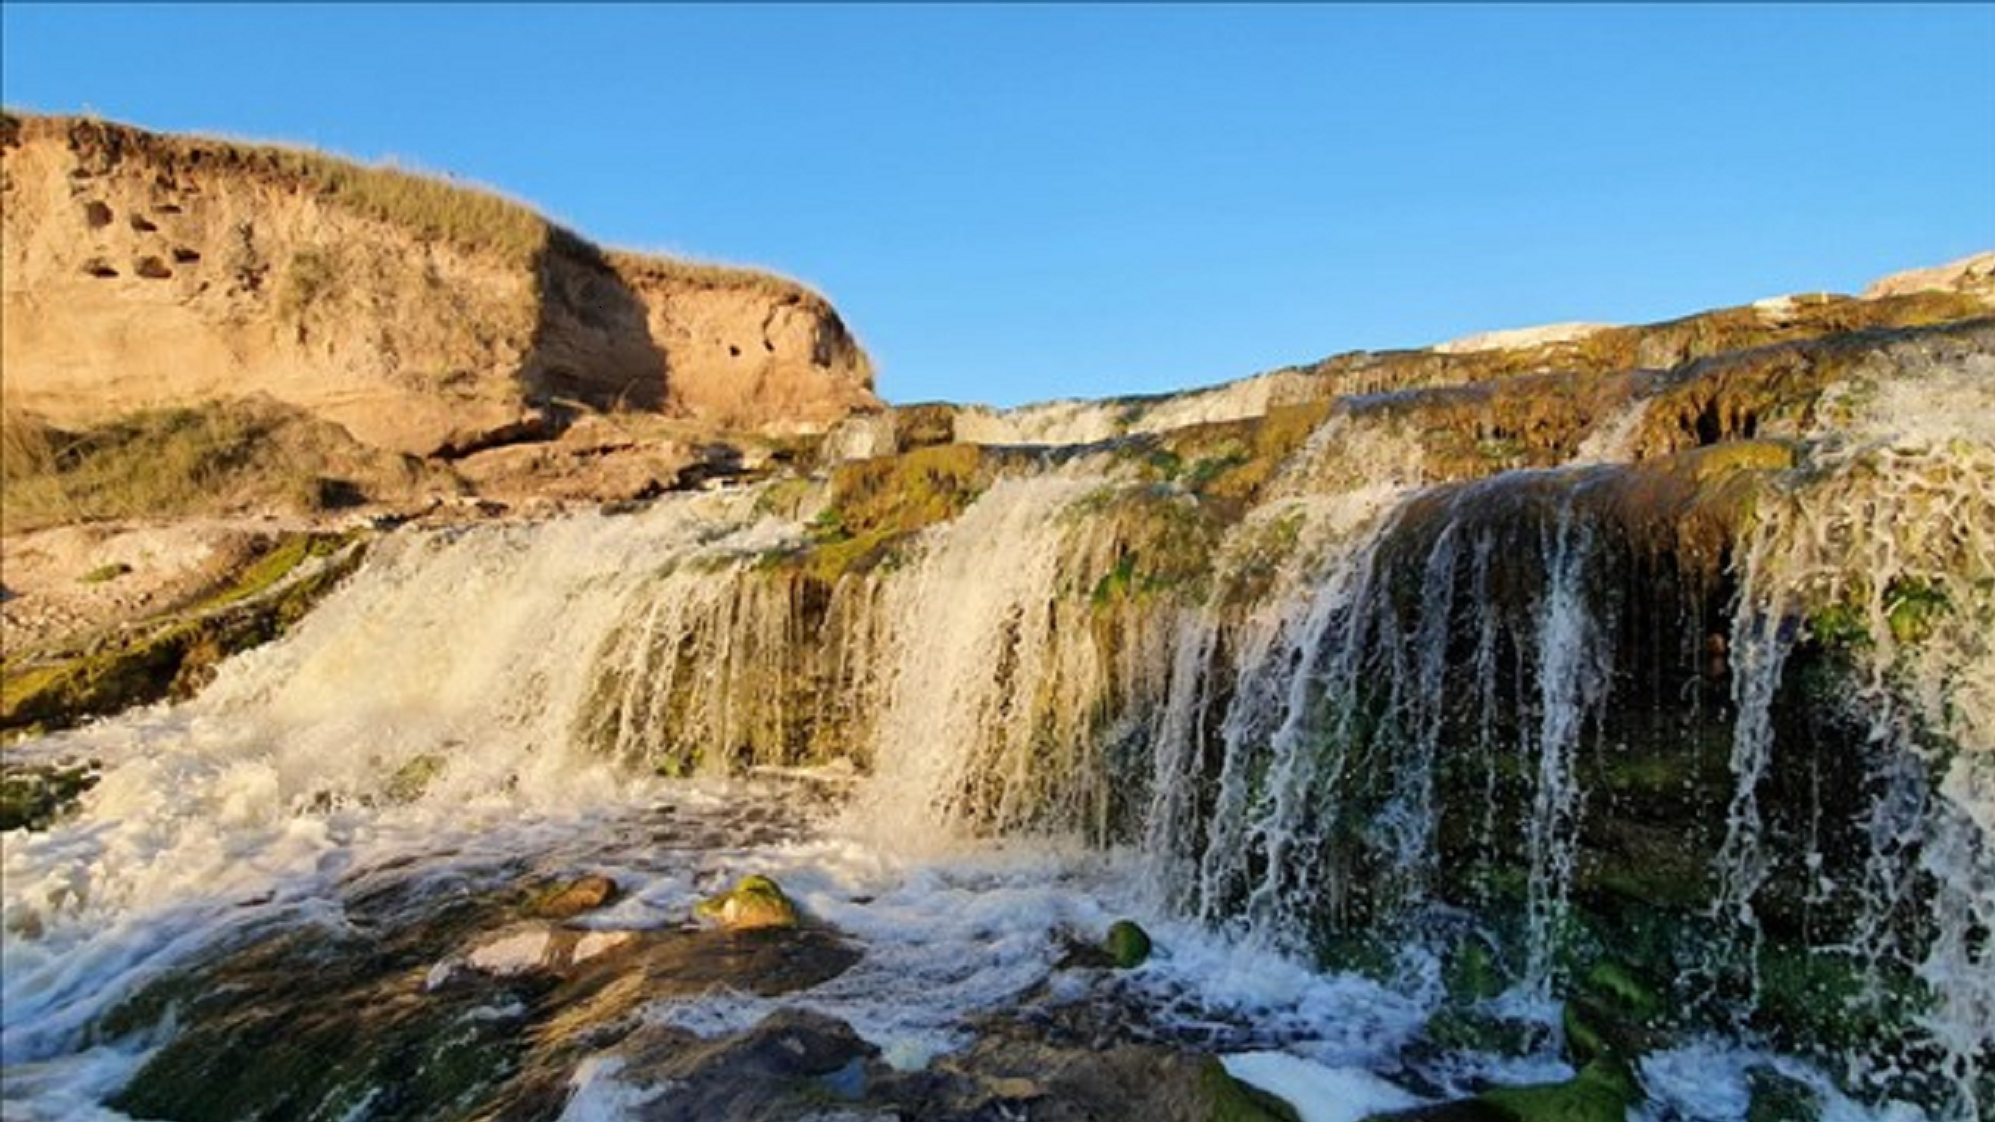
column 424, row 317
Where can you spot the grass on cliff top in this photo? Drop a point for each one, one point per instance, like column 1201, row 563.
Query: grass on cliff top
column 213, row 458
column 435, row 206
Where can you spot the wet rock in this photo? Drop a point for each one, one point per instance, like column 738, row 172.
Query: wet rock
column 1615, row 1016
column 565, row 901
column 1127, row 944
column 1777, row 1098
column 754, row 902
column 33, row 796
column 789, row 1060
column 1603, row 1091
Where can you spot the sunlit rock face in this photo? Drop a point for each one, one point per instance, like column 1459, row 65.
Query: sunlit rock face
column 419, row 315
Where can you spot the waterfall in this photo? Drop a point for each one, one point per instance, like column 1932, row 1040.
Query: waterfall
column 1885, row 554
column 1375, row 707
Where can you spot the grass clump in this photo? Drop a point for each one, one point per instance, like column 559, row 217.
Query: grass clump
column 212, row 458
column 433, row 207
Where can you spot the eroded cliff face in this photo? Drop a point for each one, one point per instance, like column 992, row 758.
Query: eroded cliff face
column 424, row 317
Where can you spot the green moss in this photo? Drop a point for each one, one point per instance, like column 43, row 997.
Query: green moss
column 1809, row 997
column 1618, row 986
column 1744, row 455
column 1601, row 1092
column 413, row 778
column 1839, row 626
column 1477, row 1030
column 1471, row 973
column 1127, row 944
column 1116, row 585
column 175, row 655
column 876, row 504
column 1911, row 608
column 33, row 796
column 102, row 573
column 755, row 901
column 1776, row 1098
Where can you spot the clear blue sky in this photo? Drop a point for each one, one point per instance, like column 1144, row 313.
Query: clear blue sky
column 1012, row 204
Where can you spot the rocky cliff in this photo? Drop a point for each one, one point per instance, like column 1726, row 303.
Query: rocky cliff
column 422, row 316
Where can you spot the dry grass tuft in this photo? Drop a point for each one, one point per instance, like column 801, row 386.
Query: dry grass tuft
column 212, row 458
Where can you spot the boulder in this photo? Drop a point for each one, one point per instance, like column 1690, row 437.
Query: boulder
column 754, row 902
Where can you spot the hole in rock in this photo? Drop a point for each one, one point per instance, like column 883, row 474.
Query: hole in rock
column 98, row 267
column 142, row 224
column 98, row 214
column 185, row 256
column 152, row 268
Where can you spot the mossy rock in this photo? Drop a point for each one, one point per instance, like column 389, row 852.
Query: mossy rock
column 1127, row 944
column 753, row 903
column 1229, row 1100
column 103, row 573
column 34, row 796
column 414, row 777
column 1618, row 987
column 1603, row 1091
column 1777, row 1098
column 1477, row 1030
column 572, row 898
column 1615, row 1016
column 1471, row 973
column 1809, row 998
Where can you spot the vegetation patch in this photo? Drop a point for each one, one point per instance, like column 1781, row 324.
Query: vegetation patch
column 34, row 795
column 174, row 656
column 218, row 457
column 876, row 504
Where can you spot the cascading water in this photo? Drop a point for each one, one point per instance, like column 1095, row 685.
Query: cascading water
column 1883, row 552
column 1723, row 719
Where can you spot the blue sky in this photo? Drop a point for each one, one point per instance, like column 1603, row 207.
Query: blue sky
column 1019, row 203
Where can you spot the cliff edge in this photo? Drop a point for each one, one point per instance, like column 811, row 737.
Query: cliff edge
column 424, row 317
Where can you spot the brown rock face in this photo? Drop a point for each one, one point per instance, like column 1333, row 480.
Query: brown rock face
column 424, row 317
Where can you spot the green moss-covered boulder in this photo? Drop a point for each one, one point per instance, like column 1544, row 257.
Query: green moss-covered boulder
column 754, row 902
column 1127, row 944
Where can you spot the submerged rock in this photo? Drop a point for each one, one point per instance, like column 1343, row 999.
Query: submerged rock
column 754, row 902
column 791, row 1059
